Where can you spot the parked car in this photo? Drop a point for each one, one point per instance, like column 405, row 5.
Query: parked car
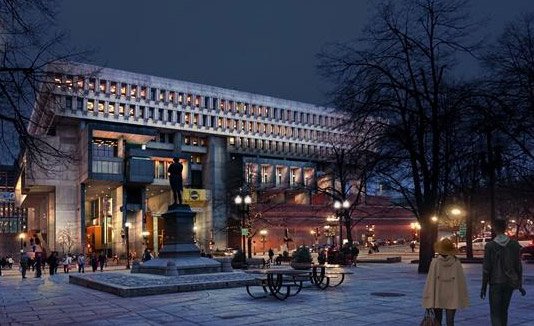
column 478, row 244
column 527, row 252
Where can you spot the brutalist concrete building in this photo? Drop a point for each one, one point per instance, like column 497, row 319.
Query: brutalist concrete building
column 124, row 129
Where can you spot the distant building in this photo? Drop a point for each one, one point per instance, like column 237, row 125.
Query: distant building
column 125, row 128
column 12, row 219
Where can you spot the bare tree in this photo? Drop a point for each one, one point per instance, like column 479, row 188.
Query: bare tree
column 67, row 238
column 401, row 74
column 30, row 44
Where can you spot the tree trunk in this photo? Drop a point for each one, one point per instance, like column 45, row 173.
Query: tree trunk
column 428, row 235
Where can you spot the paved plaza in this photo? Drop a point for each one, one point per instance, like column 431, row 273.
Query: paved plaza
column 376, row 294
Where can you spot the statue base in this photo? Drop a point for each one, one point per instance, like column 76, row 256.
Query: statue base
column 179, row 255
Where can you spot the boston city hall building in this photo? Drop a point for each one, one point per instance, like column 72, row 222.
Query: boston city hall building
column 124, row 130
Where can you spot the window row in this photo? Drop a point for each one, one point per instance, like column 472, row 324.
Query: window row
column 278, row 146
column 204, row 120
column 180, row 98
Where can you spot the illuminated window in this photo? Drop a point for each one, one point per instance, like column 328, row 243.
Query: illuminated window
column 113, row 88
column 279, row 171
column 143, row 92
column 121, row 109
column 92, row 84
column 180, row 98
column 132, row 111
column 222, row 104
column 194, row 141
column 103, row 86
column 79, row 82
column 186, row 140
column 264, row 173
column 111, row 108
column 234, row 124
column 197, row 101
column 232, row 141
column 195, row 119
column 161, row 94
column 133, row 91
column 68, row 82
column 171, row 96
column 219, row 122
column 187, row 118
column 188, row 99
column 100, row 106
column 90, row 106
column 123, row 89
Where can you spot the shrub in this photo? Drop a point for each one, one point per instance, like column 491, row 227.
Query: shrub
column 302, row 255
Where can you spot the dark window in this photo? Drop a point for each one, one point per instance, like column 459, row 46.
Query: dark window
column 196, row 179
column 104, row 147
column 153, row 94
column 68, row 102
column 79, row 103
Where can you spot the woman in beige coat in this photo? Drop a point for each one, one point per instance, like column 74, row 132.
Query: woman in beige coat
column 445, row 286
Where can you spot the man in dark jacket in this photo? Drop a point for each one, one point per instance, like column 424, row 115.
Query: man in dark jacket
column 503, row 271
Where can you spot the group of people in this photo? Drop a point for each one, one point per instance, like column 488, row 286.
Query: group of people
column 446, row 288
column 53, row 261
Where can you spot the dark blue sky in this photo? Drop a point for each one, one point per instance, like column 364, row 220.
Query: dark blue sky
column 265, row 47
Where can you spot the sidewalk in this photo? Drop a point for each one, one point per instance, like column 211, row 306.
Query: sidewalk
column 377, row 294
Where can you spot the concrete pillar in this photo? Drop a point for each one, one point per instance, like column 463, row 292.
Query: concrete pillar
column 215, row 181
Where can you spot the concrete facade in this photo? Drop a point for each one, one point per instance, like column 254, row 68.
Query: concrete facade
column 119, row 125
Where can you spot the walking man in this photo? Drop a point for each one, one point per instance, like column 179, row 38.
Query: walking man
column 503, row 271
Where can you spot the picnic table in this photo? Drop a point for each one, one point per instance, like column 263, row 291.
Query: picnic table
column 322, row 274
column 278, row 282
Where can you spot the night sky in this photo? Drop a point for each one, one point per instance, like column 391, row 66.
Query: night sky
column 266, row 47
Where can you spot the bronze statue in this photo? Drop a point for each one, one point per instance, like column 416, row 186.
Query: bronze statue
column 175, row 179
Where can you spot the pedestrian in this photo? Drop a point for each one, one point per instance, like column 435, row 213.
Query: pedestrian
column 52, row 262
column 503, row 271
column 271, row 255
column 354, row 252
column 94, row 262
column 412, row 245
column 24, row 263
column 38, row 264
column 445, row 286
column 147, row 256
column 81, row 263
column 102, row 260
column 66, row 263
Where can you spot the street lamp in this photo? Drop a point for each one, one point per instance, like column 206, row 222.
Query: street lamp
column 127, row 234
column 21, row 237
column 263, row 234
column 341, row 211
column 415, row 226
column 243, row 205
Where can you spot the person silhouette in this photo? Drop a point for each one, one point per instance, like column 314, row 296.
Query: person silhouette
column 175, row 179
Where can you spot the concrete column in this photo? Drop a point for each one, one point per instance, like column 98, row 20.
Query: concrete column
column 215, row 181
column 82, row 216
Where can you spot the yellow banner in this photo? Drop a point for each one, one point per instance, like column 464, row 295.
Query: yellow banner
column 194, row 195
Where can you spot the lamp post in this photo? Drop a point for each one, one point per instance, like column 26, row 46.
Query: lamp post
column 21, row 237
column 127, row 234
column 415, row 226
column 263, row 234
column 341, row 212
column 243, row 206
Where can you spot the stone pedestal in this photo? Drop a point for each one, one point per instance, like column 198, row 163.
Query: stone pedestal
column 179, row 255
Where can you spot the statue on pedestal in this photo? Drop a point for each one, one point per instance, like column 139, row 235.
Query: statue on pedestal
column 175, row 179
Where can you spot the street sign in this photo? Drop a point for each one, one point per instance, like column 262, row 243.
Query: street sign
column 244, row 231
column 462, row 230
